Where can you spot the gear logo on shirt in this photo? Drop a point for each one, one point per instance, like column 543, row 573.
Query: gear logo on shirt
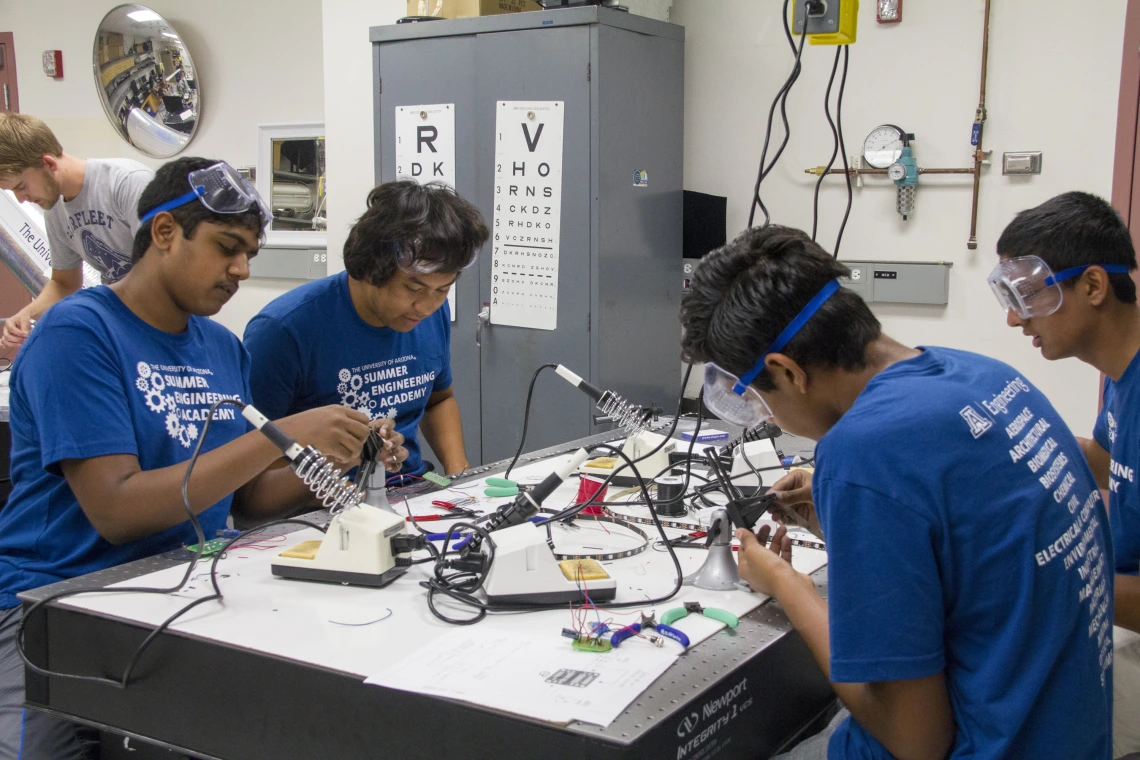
column 353, row 395
column 1111, row 427
column 153, row 388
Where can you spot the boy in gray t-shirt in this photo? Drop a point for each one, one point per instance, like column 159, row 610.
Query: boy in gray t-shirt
column 92, row 211
column 98, row 225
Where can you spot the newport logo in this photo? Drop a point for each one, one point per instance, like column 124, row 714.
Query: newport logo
column 688, row 725
column 978, row 423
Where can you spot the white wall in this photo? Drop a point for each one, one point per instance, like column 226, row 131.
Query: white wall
column 257, row 63
column 1054, row 75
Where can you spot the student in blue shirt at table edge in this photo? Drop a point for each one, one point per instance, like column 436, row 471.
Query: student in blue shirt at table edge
column 109, row 396
column 1063, row 277
column 377, row 336
column 969, row 608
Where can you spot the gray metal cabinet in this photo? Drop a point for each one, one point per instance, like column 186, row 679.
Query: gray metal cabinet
column 621, row 79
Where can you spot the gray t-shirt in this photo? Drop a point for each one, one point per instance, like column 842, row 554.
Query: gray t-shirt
column 98, row 225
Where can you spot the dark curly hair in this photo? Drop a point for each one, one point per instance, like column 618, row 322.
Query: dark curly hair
column 431, row 220
column 745, row 293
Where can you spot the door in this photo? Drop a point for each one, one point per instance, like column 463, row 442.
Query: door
column 435, row 71
column 545, row 64
column 9, row 97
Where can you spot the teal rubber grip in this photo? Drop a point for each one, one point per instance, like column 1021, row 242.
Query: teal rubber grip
column 500, row 492
column 723, row 616
column 502, row 482
column 668, row 617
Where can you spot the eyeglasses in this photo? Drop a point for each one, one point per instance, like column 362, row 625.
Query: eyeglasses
column 222, row 190
column 410, row 258
column 1027, row 286
column 732, row 398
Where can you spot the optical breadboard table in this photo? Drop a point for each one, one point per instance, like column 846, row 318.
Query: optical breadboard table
column 740, row 693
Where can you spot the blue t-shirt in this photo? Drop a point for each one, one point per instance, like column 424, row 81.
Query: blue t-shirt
column 965, row 534
column 92, row 380
column 311, row 348
column 1117, row 433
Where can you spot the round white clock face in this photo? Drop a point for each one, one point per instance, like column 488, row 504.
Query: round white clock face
column 896, row 172
column 883, row 146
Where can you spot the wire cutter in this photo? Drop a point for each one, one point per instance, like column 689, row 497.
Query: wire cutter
column 500, row 487
column 649, row 623
column 695, row 608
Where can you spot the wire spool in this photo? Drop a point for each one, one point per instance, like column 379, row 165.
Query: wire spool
column 670, row 499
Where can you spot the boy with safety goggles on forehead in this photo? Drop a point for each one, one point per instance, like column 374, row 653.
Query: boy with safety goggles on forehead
column 961, row 618
column 110, row 395
column 1063, row 277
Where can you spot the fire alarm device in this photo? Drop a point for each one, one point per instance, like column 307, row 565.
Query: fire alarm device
column 53, row 63
column 888, row 11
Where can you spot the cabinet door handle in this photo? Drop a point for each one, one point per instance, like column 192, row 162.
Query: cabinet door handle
column 482, row 318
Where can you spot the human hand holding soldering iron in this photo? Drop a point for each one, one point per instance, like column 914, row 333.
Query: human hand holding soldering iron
column 394, row 452
column 793, row 502
column 336, row 431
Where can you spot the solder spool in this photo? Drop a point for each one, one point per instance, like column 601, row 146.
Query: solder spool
column 670, row 495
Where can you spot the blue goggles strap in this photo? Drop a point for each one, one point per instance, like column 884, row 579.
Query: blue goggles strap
column 789, row 332
column 1071, row 272
column 181, row 200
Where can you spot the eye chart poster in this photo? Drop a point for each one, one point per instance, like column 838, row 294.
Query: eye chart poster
column 528, row 212
column 425, row 149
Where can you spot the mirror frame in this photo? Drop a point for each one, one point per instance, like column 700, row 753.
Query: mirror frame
column 120, row 126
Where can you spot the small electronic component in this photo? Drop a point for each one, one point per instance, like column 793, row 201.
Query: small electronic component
column 438, row 480
column 586, row 643
column 211, row 547
column 585, row 570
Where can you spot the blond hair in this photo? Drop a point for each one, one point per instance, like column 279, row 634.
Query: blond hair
column 24, row 140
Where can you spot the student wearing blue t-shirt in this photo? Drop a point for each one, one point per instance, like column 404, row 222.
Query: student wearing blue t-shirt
column 1063, row 278
column 377, row 337
column 969, row 606
column 108, row 398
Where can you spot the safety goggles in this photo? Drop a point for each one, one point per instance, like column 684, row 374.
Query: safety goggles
column 1027, row 286
column 732, row 398
column 222, row 190
column 410, row 258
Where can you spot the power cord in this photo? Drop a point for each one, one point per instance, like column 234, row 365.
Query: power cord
column 843, row 147
column 782, row 99
column 835, row 145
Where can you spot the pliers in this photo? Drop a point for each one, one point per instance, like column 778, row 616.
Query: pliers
column 500, row 487
column 695, row 608
column 649, row 623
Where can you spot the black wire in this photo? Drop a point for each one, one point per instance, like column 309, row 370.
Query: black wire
column 462, row 585
column 123, row 682
column 835, row 145
column 843, row 147
column 782, row 98
column 526, row 418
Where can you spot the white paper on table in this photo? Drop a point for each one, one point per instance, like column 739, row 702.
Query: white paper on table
column 537, row 677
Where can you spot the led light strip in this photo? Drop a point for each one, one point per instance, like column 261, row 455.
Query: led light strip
column 601, row 557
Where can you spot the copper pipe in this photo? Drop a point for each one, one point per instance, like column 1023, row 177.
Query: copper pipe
column 979, row 154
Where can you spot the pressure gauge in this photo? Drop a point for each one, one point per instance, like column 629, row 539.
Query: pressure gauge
column 896, row 172
column 883, row 146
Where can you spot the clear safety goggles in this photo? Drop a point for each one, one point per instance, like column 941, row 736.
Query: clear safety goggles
column 732, row 398
column 411, row 259
column 222, row 190
column 1028, row 287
